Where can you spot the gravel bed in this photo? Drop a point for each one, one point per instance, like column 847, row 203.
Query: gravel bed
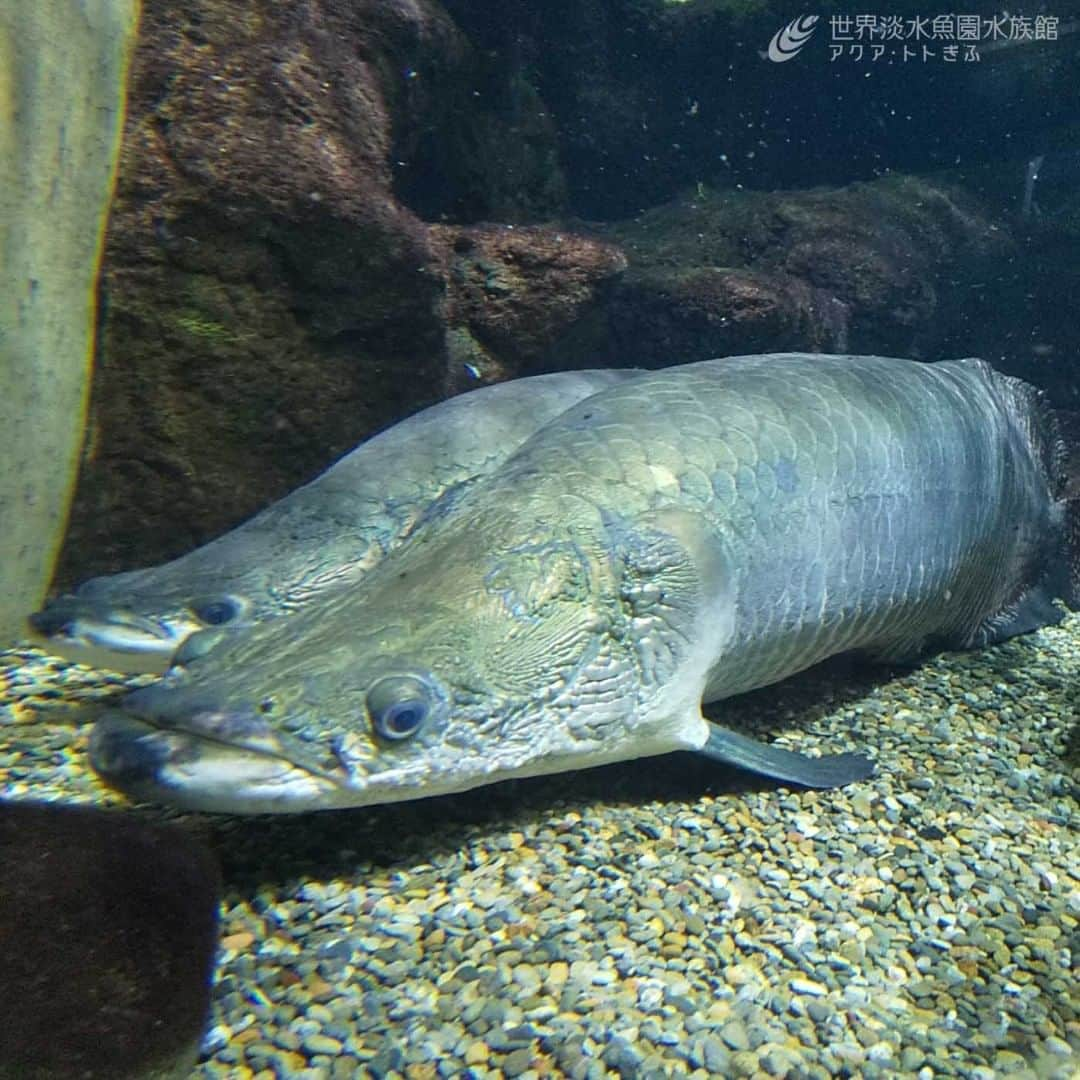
column 664, row 917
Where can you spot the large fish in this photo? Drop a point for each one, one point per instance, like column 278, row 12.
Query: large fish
column 688, row 535
column 326, row 533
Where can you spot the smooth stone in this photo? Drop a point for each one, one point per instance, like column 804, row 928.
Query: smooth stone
column 734, row 1033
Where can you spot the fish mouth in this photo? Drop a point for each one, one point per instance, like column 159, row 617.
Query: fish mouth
column 112, row 638
column 210, row 760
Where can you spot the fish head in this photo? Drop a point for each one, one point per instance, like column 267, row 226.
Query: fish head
column 137, row 621
column 151, row 619
column 447, row 668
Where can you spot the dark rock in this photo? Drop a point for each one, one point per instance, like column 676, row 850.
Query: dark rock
column 108, row 928
column 857, row 269
column 389, row 1059
column 622, row 1056
column 650, row 98
column 702, row 312
column 517, row 1062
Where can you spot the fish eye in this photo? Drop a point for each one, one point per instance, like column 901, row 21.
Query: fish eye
column 216, row 612
column 398, row 706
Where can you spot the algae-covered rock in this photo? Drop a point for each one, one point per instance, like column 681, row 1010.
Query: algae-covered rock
column 108, row 929
column 63, row 68
column 274, row 292
column 861, row 268
column 269, row 301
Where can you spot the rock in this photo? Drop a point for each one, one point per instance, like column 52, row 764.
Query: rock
column 108, row 928
column 272, row 296
column 735, row 1035
column 255, row 241
column 704, row 311
column 515, row 293
column 653, row 98
column 855, row 269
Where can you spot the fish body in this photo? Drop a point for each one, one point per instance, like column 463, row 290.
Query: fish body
column 327, row 533
column 679, row 538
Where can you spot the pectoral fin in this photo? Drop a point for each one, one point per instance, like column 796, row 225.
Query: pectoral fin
column 832, row 770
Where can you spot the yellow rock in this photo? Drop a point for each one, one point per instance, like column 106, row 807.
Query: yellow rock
column 477, row 1053
column 292, row 1061
column 238, row 942
column 740, row 974
column 558, row 973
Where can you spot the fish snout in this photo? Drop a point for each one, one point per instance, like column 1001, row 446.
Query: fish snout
column 177, row 765
column 194, row 718
column 165, row 744
column 163, row 706
column 126, row 753
column 157, row 733
column 106, row 634
column 56, row 617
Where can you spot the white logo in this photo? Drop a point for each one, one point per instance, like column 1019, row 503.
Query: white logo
column 788, row 40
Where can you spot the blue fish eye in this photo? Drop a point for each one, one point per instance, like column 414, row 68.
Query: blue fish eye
column 398, row 706
column 217, row 612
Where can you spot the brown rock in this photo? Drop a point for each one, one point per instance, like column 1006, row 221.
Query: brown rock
column 701, row 312
column 519, row 293
column 267, row 299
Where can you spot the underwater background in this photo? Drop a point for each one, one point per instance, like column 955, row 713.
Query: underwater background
column 330, row 214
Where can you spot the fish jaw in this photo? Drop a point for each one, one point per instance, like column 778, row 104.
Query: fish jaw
column 180, row 768
column 112, row 638
column 185, row 770
column 197, row 772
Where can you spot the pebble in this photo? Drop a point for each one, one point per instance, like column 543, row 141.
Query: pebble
column 654, row 918
column 322, row 1044
column 734, row 1033
column 911, row 1059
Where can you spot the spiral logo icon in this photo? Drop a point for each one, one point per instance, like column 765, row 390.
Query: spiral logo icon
column 788, row 40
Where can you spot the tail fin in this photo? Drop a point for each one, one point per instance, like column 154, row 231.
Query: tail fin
column 1055, row 436
column 1068, row 429
column 1068, row 425
column 1072, row 550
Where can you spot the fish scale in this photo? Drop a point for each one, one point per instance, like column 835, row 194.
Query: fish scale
column 684, row 536
column 834, row 508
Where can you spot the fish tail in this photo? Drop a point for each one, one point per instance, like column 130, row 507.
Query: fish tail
column 1055, row 444
column 1068, row 429
column 1072, row 545
column 1048, row 570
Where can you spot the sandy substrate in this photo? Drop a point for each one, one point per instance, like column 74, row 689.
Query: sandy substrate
column 661, row 917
